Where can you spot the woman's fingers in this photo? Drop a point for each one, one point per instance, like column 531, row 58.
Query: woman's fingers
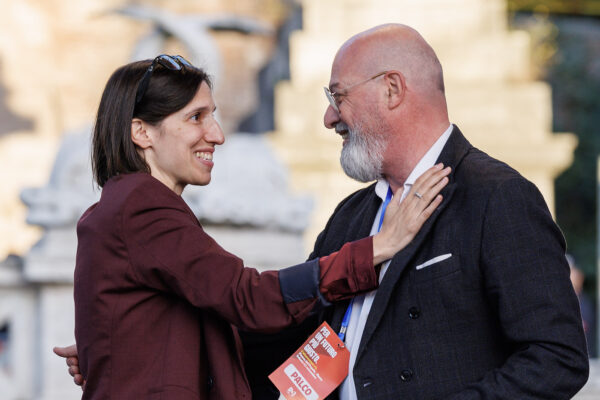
column 427, row 187
column 434, row 173
column 404, row 218
column 423, row 192
column 426, row 213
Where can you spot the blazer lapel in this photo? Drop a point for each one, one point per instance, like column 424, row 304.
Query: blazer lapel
column 453, row 152
column 358, row 228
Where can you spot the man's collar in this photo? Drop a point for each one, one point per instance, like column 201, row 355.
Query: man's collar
column 426, row 162
column 381, row 188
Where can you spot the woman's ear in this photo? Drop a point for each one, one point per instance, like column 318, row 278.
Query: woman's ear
column 139, row 134
column 396, row 88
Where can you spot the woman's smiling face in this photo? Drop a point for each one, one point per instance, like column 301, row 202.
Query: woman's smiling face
column 180, row 148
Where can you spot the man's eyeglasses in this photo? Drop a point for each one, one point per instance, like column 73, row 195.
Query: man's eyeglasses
column 174, row 63
column 333, row 96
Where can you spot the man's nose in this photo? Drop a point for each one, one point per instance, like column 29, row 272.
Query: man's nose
column 331, row 117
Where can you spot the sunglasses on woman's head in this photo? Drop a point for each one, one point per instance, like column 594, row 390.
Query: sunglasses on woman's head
column 174, row 63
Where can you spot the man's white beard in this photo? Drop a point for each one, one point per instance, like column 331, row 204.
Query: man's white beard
column 362, row 155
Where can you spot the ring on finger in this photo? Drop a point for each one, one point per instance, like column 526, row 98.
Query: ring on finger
column 419, row 195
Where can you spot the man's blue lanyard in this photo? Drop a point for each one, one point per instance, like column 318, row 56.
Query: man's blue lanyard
column 346, row 319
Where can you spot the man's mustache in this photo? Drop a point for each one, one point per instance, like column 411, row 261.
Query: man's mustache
column 341, row 127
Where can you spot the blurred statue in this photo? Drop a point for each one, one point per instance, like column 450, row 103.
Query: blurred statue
column 69, row 191
column 193, row 30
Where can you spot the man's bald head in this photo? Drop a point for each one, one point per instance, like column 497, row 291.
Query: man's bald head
column 405, row 108
column 393, row 47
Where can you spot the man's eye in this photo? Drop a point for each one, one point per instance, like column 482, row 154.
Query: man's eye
column 195, row 117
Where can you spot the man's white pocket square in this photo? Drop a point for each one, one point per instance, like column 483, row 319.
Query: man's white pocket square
column 433, row 261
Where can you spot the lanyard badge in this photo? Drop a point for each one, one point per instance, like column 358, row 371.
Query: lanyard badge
column 315, row 369
column 321, row 363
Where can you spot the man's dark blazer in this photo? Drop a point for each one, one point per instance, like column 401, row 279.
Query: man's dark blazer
column 497, row 320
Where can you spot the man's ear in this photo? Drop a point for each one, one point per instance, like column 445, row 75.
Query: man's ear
column 396, row 88
column 139, row 134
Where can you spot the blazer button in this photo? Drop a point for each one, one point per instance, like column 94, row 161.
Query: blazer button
column 406, row 375
column 414, row 313
column 367, row 382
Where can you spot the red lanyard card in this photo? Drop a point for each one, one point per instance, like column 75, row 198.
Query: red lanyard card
column 315, row 369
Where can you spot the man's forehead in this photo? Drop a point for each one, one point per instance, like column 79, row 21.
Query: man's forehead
column 348, row 63
column 340, row 70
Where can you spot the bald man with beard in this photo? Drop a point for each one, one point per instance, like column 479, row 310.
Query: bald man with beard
column 480, row 304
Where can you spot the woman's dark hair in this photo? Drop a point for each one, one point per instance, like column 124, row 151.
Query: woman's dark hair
column 168, row 91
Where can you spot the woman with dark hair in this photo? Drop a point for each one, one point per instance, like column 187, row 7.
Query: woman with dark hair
column 155, row 296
